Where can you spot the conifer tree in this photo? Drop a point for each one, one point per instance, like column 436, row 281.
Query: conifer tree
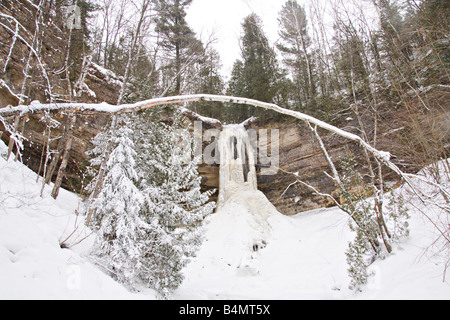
column 150, row 209
column 178, row 41
column 121, row 238
column 174, row 204
column 257, row 76
column 370, row 241
column 209, row 80
column 295, row 47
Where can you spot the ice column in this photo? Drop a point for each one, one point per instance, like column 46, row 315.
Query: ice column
column 237, row 161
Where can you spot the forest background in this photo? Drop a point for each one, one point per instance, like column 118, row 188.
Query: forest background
column 384, row 61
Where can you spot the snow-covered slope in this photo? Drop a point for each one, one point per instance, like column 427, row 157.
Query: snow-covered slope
column 32, row 264
column 299, row 257
column 304, row 259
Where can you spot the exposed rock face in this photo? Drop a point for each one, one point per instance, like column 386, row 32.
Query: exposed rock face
column 86, row 127
column 300, row 157
column 298, row 153
column 52, row 54
column 89, row 82
column 98, row 85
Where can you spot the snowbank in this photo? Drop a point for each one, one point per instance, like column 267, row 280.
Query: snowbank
column 32, row 264
column 304, row 258
column 254, row 252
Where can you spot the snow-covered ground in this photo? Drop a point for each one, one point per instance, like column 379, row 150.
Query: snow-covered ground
column 304, row 258
column 32, row 264
column 299, row 257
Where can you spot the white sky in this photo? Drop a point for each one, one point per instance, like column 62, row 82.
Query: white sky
column 225, row 18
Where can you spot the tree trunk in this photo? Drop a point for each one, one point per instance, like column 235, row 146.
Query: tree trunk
column 48, row 174
column 11, row 139
column 97, row 189
column 65, row 159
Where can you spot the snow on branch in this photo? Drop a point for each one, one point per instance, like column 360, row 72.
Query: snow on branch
column 11, row 48
column 16, row 36
column 382, row 156
column 4, row 85
column 16, row 137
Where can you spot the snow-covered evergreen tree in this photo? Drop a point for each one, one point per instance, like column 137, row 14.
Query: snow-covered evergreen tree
column 174, row 202
column 150, row 208
column 122, row 233
column 98, row 160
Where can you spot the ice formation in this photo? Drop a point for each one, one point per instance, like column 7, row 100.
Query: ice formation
column 237, row 162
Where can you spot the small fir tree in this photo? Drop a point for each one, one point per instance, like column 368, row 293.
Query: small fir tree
column 365, row 246
column 398, row 216
column 357, row 260
column 119, row 244
column 368, row 243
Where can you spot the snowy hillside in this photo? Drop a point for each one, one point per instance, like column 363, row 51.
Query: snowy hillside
column 304, row 259
column 32, row 264
column 243, row 257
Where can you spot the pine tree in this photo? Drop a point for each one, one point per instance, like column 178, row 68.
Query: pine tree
column 150, row 209
column 295, row 47
column 361, row 252
column 349, row 53
column 144, row 78
column 143, row 7
column 178, row 41
column 398, row 216
column 395, row 39
column 174, row 205
column 257, row 76
column 370, row 240
column 358, row 262
column 78, row 44
column 260, row 67
column 210, row 81
column 237, row 87
column 120, row 240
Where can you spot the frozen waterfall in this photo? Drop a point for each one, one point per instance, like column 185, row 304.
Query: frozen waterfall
column 244, row 214
column 237, row 162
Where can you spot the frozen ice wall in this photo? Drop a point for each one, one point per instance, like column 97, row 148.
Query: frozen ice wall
column 237, row 162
